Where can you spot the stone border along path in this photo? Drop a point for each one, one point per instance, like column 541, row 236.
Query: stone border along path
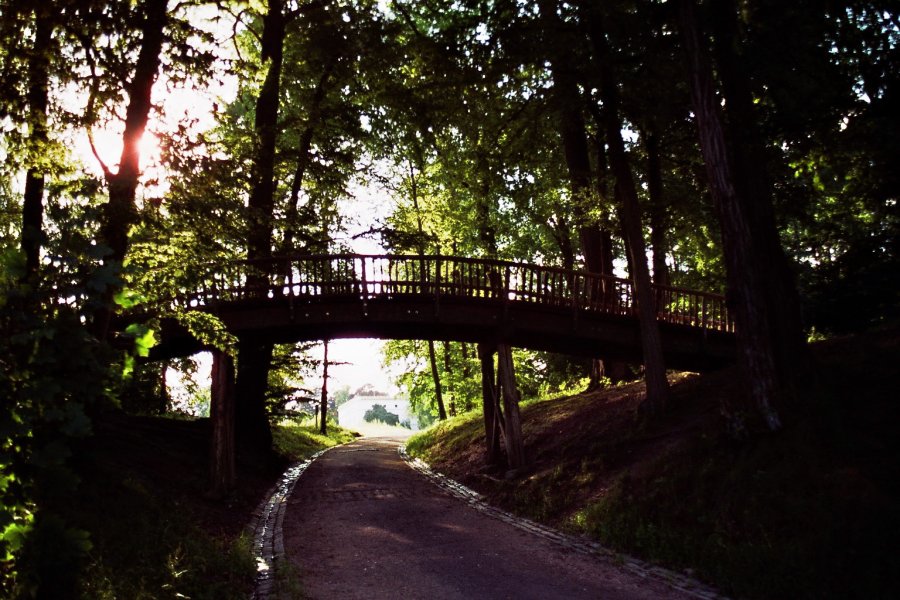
column 268, row 542
column 266, row 528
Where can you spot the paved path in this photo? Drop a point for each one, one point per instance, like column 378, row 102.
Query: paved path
column 362, row 524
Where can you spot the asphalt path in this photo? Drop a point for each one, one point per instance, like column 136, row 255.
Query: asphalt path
column 362, row 524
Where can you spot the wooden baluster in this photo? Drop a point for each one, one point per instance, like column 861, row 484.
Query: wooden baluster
column 703, row 317
column 437, row 286
column 365, row 285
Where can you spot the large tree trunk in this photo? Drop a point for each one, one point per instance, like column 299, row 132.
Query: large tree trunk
column 222, row 473
column 38, row 83
column 630, row 217
column 255, row 358
column 120, row 212
column 744, row 266
column 254, row 435
column 490, row 404
column 754, row 191
column 596, row 241
column 512, row 431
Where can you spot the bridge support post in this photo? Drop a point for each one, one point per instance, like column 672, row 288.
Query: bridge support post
column 222, row 474
column 490, row 403
column 515, row 448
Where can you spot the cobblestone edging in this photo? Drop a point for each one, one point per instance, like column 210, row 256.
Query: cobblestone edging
column 265, row 527
column 641, row 569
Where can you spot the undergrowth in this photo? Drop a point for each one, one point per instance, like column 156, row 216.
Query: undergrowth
column 148, row 525
column 148, row 546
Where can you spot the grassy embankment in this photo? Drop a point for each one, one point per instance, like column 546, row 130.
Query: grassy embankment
column 812, row 512
column 154, row 533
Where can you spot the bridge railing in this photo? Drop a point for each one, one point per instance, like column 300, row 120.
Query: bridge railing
column 385, row 276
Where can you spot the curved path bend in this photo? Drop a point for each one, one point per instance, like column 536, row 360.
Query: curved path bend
column 362, row 524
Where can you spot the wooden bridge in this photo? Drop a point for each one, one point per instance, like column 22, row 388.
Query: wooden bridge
column 294, row 298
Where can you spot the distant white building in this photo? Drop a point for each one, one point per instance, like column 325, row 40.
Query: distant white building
column 352, row 413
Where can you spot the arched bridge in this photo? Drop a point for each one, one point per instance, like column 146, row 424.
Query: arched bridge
column 294, row 298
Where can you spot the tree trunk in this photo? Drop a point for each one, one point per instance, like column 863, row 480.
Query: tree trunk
column 448, row 369
column 466, row 372
column 323, row 406
column 489, row 402
column 120, row 210
column 743, row 266
column 254, row 435
column 515, row 448
column 222, row 474
column 754, row 190
column 262, row 195
column 436, row 377
column 303, row 159
column 630, row 217
column 254, row 359
column 657, row 207
column 38, row 84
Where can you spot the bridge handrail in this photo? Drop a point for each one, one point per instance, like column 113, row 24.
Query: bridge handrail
column 370, row 276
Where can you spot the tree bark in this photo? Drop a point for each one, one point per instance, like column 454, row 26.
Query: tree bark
column 262, row 196
column 254, row 358
column 515, row 448
column 630, row 217
column 754, row 191
column 436, row 377
column 293, row 209
column 121, row 213
column 38, row 84
column 657, row 207
column 489, row 402
column 254, row 435
column 743, row 265
column 323, row 403
column 448, row 369
column 221, row 415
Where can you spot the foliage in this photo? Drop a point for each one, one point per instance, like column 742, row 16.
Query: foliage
column 54, row 375
column 538, row 374
column 379, row 413
column 174, row 559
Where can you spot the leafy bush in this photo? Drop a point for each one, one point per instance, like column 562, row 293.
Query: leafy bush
column 379, row 413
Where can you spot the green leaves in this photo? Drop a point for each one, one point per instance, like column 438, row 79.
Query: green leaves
column 208, row 329
column 144, row 338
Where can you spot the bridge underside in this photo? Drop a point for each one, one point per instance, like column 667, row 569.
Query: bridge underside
column 559, row 329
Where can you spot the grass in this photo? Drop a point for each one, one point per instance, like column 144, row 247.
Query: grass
column 813, row 512
column 446, row 437
column 298, row 440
